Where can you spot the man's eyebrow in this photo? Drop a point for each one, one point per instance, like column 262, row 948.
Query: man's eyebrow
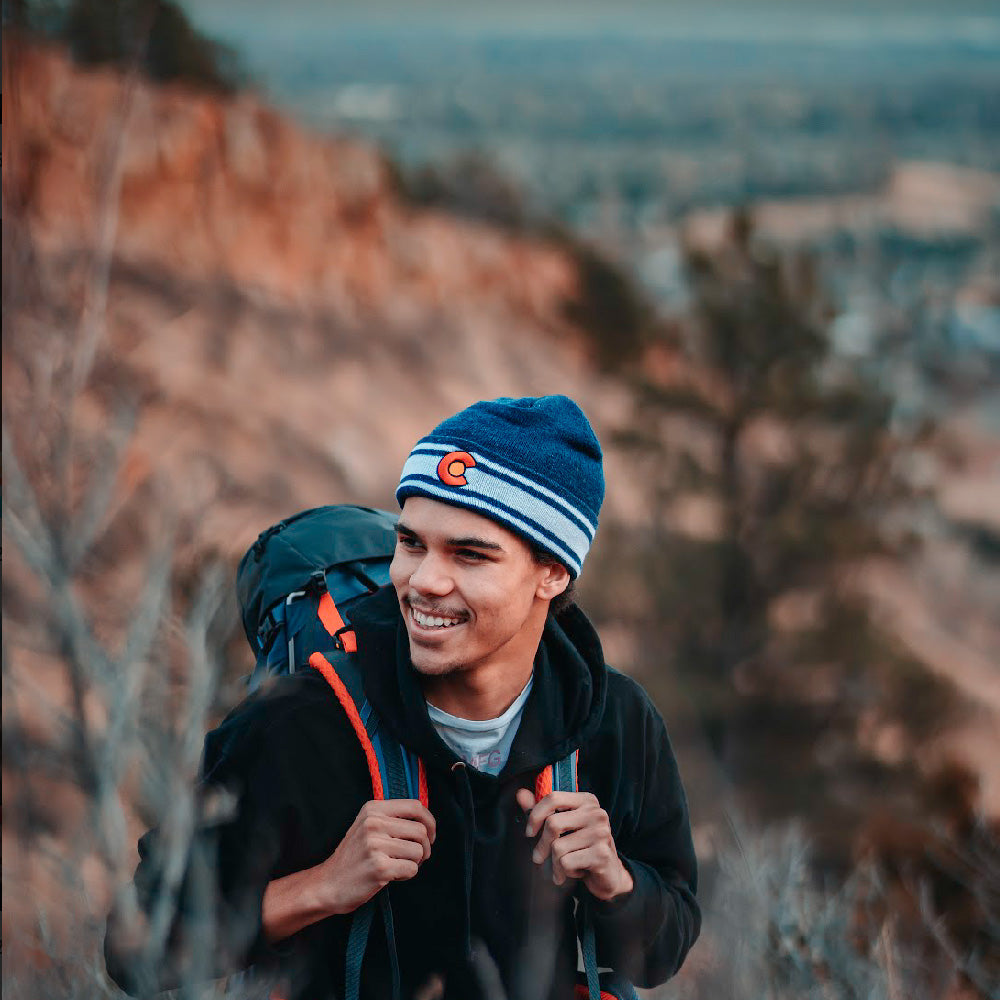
column 472, row 542
column 467, row 542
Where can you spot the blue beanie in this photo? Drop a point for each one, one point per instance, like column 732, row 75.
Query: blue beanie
column 532, row 465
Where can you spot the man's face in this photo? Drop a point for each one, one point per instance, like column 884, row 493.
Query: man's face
column 471, row 593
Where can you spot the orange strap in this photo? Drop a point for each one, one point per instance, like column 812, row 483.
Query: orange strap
column 422, row 784
column 333, row 623
column 583, row 993
column 543, row 783
column 322, row 664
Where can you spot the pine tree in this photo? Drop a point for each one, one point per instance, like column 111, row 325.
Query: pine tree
column 791, row 451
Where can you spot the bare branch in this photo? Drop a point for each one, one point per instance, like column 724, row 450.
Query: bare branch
column 98, row 498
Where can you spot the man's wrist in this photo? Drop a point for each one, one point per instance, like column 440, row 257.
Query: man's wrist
column 626, row 884
column 623, row 886
column 324, row 891
column 296, row 901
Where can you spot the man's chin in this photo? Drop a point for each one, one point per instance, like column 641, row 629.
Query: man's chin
column 430, row 665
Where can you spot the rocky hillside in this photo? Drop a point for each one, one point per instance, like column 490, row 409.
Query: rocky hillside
column 290, row 324
column 212, row 319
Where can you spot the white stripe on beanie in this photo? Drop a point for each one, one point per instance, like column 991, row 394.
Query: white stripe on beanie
column 503, row 495
column 505, row 472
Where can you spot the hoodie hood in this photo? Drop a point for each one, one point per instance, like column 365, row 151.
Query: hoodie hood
column 562, row 713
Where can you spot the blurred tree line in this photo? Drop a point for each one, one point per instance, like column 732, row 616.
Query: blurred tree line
column 777, row 479
column 789, row 448
column 156, row 36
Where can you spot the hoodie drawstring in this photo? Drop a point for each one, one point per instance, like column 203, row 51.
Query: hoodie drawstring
column 469, row 830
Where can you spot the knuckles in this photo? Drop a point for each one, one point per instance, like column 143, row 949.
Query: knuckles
column 382, row 868
column 593, row 815
column 371, row 824
column 559, row 823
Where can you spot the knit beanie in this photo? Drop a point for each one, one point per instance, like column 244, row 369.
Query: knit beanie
column 532, row 465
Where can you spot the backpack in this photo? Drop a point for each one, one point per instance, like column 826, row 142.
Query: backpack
column 302, row 575
column 296, row 586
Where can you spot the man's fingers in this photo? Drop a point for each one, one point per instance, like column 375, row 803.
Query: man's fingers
column 401, row 850
column 406, row 829
column 578, row 840
column 572, row 828
column 575, row 864
column 413, row 809
column 398, row 870
column 525, row 799
column 560, row 824
column 556, row 802
column 410, row 809
column 556, row 826
column 545, row 807
column 579, row 853
column 561, row 846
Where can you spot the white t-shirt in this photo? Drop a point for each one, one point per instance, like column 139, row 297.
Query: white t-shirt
column 482, row 743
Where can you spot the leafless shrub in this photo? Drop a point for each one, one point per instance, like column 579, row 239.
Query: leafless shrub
column 773, row 931
column 106, row 686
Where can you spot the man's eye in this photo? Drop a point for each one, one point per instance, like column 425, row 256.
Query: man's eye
column 408, row 542
column 471, row 554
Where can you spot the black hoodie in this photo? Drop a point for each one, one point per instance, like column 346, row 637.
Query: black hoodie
column 479, row 906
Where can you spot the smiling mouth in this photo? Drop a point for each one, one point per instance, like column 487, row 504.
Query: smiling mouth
column 433, row 622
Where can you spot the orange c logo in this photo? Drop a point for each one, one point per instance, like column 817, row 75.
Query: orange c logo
column 451, row 468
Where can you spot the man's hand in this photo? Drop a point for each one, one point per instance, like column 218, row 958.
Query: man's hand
column 576, row 832
column 387, row 842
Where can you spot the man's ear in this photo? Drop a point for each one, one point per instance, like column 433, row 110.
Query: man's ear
column 554, row 582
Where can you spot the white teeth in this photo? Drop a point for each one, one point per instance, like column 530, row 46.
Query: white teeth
column 431, row 621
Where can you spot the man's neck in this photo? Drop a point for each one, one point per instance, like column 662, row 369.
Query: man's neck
column 477, row 694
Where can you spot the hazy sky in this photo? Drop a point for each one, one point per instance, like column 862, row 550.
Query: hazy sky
column 243, row 18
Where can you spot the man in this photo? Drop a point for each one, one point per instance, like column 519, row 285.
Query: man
column 477, row 661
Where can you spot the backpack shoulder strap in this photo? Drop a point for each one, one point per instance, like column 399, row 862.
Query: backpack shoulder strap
column 334, row 623
column 562, row 776
column 396, row 772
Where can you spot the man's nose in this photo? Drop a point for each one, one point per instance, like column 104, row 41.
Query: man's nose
column 431, row 576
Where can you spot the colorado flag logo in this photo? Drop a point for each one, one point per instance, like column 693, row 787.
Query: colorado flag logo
column 451, row 468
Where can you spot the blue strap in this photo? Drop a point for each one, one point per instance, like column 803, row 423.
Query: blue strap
column 395, row 767
column 357, row 942
column 398, row 769
column 564, row 779
column 588, row 946
column 380, row 757
column 390, row 937
column 393, row 764
column 564, row 773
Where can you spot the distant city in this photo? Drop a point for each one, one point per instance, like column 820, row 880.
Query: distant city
column 690, row 109
column 620, row 128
